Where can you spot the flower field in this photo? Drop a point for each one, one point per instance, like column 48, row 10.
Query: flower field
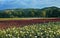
column 6, row 22
column 42, row 30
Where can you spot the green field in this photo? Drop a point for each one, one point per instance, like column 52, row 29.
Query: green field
column 23, row 18
column 43, row 30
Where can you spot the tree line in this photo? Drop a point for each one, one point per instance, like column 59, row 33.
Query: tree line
column 20, row 13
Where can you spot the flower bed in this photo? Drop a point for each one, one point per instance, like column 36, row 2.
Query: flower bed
column 45, row 30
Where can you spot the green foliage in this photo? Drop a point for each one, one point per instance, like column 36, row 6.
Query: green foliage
column 45, row 30
column 45, row 12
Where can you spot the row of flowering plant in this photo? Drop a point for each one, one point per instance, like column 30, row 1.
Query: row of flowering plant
column 43, row 30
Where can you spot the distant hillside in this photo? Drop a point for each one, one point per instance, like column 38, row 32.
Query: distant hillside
column 19, row 13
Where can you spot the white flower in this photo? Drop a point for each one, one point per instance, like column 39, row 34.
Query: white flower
column 41, row 33
column 45, row 31
column 35, row 36
column 6, row 35
column 13, row 37
column 14, row 28
column 27, row 32
column 39, row 28
column 30, row 35
column 49, row 28
column 50, row 31
column 18, row 37
column 4, row 31
column 16, row 32
column 54, row 32
column 20, row 31
column 58, row 31
column 9, row 35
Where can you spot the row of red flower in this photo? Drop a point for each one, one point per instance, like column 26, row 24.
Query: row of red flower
column 17, row 23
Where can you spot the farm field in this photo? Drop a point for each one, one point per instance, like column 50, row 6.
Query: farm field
column 2, row 19
column 29, row 19
column 42, row 30
column 29, row 27
column 6, row 22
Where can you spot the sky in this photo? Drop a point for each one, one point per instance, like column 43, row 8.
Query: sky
column 10, row 4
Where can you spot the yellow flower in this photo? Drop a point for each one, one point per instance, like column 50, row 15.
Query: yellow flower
column 58, row 31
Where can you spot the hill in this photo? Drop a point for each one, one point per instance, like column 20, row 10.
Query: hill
column 20, row 13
